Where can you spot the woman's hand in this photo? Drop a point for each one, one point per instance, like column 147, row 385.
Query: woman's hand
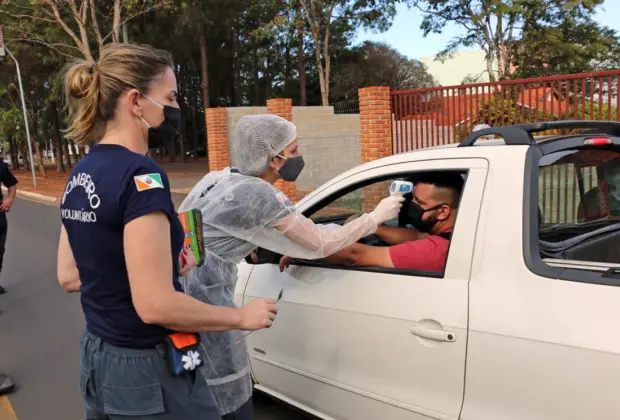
column 189, row 259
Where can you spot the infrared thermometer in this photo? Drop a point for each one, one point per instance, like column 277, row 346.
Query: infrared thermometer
column 401, row 188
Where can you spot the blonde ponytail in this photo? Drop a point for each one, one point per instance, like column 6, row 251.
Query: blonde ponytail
column 82, row 96
column 92, row 90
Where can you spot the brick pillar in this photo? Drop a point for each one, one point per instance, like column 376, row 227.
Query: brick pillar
column 375, row 136
column 217, row 133
column 283, row 107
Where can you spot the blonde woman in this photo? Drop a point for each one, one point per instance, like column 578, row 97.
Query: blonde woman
column 120, row 243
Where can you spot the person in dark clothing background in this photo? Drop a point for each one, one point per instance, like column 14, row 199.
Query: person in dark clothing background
column 10, row 182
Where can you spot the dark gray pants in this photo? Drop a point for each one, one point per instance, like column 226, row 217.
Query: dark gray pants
column 242, row 413
column 4, row 227
column 121, row 384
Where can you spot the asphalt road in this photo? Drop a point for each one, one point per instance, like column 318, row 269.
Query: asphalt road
column 40, row 325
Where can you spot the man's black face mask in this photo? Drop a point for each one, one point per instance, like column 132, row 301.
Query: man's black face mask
column 412, row 214
column 416, row 213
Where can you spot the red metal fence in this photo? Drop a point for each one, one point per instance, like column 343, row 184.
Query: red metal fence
column 436, row 116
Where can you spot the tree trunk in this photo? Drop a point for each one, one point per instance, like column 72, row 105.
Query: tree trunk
column 287, row 60
column 195, row 132
column 26, row 159
column 14, row 154
column 268, row 76
column 37, row 147
column 301, row 65
column 319, row 66
column 57, row 138
column 205, row 72
column 63, row 144
column 125, row 34
column 116, row 22
column 328, row 65
column 256, row 79
column 237, row 70
column 74, row 151
column 65, row 150
column 489, row 59
column 38, row 157
column 319, row 62
column 205, row 96
column 60, row 166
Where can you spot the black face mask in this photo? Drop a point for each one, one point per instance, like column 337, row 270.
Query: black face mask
column 167, row 131
column 292, row 168
column 415, row 213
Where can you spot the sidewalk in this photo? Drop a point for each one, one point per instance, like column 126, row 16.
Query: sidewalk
column 182, row 175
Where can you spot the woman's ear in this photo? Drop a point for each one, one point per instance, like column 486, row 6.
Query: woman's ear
column 273, row 163
column 133, row 99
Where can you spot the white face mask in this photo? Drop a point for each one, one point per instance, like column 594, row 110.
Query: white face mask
column 158, row 105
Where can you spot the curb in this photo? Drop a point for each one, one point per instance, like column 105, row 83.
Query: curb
column 33, row 196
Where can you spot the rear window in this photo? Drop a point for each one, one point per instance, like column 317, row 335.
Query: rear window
column 579, row 205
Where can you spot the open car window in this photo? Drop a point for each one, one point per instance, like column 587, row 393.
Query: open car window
column 364, row 199
column 360, row 200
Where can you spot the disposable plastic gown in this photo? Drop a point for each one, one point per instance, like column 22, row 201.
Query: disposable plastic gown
column 241, row 213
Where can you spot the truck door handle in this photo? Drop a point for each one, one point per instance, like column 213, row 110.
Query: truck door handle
column 433, row 334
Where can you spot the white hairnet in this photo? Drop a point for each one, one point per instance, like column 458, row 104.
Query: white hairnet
column 481, row 127
column 258, row 138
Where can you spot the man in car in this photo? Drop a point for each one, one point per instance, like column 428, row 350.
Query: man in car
column 431, row 212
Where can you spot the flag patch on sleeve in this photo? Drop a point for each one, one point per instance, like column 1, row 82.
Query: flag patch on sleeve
column 148, row 182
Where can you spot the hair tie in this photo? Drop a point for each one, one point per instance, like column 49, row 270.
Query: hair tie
column 92, row 68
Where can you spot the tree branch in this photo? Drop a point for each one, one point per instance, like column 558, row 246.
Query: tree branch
column 28, row 17
column 51, row 46
column 116, row 21
column 85, row 50
column 81, row 22
column 328, row 23
column 141, row 12
column 93, row 16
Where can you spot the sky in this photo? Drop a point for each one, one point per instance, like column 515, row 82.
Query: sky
column 405, row 34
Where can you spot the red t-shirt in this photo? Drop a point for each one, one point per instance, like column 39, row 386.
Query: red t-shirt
column 428, row 254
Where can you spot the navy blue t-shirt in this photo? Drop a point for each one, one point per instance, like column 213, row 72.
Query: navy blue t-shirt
column 107, row 189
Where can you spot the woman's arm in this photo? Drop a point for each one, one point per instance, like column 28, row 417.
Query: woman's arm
column 299, row 237
column 149, row 266
column 66, row 269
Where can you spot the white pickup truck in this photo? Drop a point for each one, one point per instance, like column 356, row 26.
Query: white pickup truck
column 523, row 323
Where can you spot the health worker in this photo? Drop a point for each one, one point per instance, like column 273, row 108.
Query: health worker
column 242, row 210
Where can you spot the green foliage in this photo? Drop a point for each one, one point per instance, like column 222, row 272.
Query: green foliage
column 576, row 44
column 251, row 49
column 377, row 64
column 539, row 36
